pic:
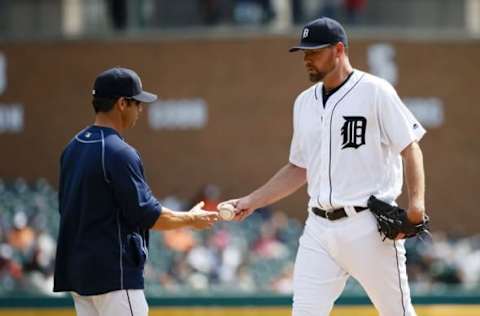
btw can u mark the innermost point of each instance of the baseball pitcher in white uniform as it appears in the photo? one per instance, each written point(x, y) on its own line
point(352, 137)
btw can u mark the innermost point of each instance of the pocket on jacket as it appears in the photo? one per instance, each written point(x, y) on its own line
point(136, 250)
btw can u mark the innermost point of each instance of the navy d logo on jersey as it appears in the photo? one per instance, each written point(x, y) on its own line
point(353, 131)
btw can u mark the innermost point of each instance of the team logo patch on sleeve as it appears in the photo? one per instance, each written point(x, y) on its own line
point(353, 131)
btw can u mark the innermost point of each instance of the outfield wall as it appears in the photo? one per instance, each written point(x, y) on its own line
point(243, 89)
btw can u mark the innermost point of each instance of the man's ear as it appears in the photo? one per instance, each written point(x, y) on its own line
point(339, 48)
point(121, 104)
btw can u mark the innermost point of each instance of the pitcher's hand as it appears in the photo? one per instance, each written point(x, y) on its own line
point(243, 207)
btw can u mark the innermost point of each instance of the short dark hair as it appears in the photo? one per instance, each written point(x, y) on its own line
point(103, 104)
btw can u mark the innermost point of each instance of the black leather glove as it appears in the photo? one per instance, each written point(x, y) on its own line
point(393, 220)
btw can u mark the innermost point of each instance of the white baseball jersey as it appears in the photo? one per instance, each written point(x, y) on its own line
point(351, 146)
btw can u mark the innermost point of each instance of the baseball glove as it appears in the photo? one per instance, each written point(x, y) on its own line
point(393, 220)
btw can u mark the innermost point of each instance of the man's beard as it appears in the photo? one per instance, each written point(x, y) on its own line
point(316, 76)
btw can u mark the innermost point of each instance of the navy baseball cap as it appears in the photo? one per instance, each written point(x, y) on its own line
point(320, 33)
point(121, 82)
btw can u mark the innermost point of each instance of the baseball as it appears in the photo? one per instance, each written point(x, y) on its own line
point(226, 212)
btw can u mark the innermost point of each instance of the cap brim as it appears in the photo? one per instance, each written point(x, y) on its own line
point(307, 47)
point(145, 97)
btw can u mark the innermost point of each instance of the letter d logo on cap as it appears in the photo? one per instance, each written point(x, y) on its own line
point(305, 33)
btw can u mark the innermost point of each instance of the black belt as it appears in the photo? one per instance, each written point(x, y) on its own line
point(338, 213)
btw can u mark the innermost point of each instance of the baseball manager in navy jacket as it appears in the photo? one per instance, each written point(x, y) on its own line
point(107, 207)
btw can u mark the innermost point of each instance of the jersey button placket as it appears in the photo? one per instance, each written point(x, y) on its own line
point(324, 185)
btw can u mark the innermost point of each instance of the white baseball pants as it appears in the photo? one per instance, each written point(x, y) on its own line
point(115, 303)
point(331, 251)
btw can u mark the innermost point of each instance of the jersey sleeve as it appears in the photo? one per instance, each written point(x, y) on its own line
point(296, 155)
point(138, 205)
point(399, 128)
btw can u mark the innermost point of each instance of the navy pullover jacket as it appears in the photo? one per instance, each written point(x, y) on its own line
point(106, 210)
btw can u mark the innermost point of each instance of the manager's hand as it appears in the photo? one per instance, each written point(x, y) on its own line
point(202, 219)
point(196, 218)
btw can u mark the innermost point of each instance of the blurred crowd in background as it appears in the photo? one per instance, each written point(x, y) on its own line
point(238, 12)
point(27, 18)
point(254, 256)
point(78, 18)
